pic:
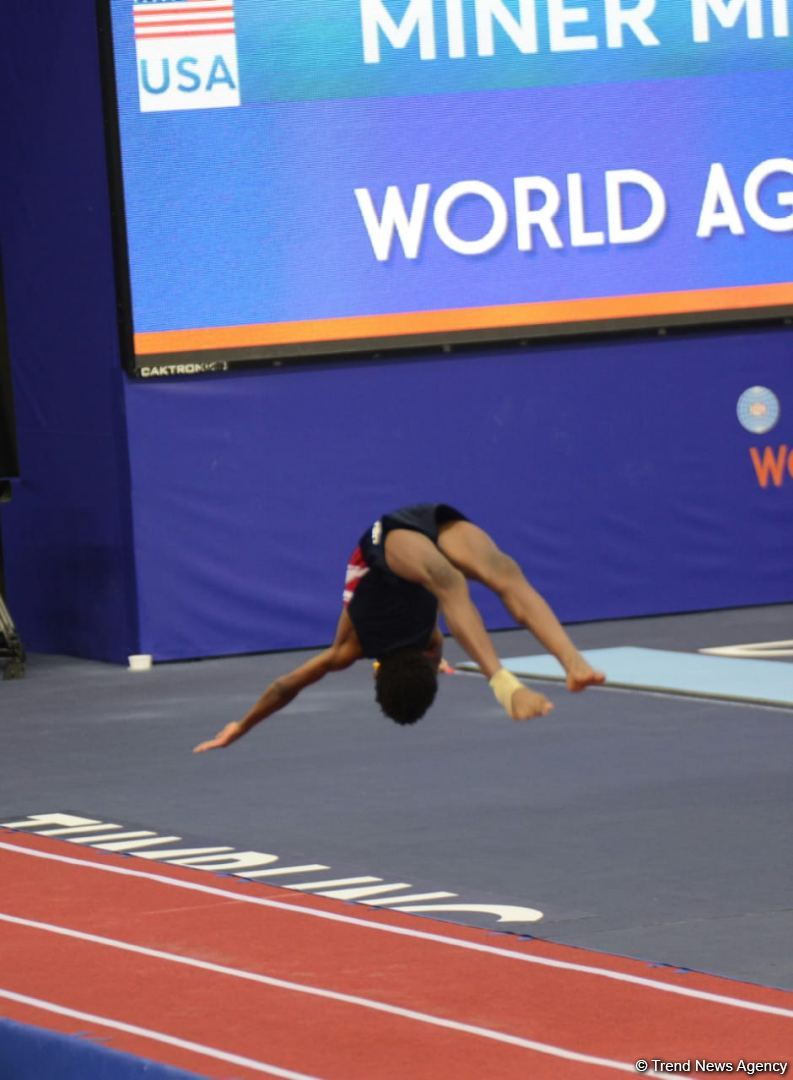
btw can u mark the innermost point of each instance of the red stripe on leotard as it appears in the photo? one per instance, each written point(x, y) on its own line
point(356, 570)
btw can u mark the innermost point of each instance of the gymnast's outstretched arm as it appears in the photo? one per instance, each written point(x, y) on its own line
point(344, 651)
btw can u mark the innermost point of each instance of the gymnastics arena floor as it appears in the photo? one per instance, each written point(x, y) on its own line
point(338, 897)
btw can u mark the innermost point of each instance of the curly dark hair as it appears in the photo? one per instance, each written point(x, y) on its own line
point(405, 685)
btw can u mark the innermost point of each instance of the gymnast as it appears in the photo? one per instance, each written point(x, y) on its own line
point(408, 565)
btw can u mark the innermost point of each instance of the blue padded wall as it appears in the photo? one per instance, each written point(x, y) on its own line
point(616, 472)
point(66, 532)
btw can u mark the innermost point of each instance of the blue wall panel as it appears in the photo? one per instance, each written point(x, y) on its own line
point(617, 473)
point(67, 538)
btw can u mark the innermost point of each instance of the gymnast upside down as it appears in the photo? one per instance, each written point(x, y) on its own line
point(409, 565)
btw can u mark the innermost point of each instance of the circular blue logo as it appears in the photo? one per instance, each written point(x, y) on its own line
point(758, 409)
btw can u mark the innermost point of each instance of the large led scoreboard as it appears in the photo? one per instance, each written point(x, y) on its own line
point(301, 177)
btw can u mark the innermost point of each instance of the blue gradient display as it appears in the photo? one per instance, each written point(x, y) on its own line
point(248, 215)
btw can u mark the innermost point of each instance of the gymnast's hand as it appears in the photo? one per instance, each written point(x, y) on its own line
point(230, 733)
point(527, 704)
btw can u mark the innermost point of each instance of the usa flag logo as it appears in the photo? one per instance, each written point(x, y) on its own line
point(186, 54)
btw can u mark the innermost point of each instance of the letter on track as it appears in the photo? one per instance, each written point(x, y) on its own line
point(299, 908)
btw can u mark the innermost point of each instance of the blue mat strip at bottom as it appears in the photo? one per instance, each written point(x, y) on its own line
point(33, 1053)
point(759, 682)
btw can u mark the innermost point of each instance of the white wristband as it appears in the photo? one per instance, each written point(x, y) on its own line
point(504, 684)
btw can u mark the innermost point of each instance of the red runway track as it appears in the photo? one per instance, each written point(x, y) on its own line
point(226, 978)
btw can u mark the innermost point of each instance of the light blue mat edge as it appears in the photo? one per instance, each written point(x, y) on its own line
point(760, 682)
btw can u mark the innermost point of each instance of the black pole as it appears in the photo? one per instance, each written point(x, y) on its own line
point(12, 651)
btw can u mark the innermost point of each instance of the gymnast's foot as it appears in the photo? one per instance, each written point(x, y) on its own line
point(580, 675)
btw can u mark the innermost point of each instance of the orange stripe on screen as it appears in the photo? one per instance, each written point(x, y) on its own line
point(455, 320)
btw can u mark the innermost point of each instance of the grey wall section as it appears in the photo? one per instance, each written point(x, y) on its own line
point(67, 535)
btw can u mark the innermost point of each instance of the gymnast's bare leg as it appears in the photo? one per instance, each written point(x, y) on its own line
point(473, 552)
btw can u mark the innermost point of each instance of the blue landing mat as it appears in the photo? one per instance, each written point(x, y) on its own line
point(762, 682)
point(34, 1053)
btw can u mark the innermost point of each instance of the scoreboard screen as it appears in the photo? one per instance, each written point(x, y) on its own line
point(302, 177)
